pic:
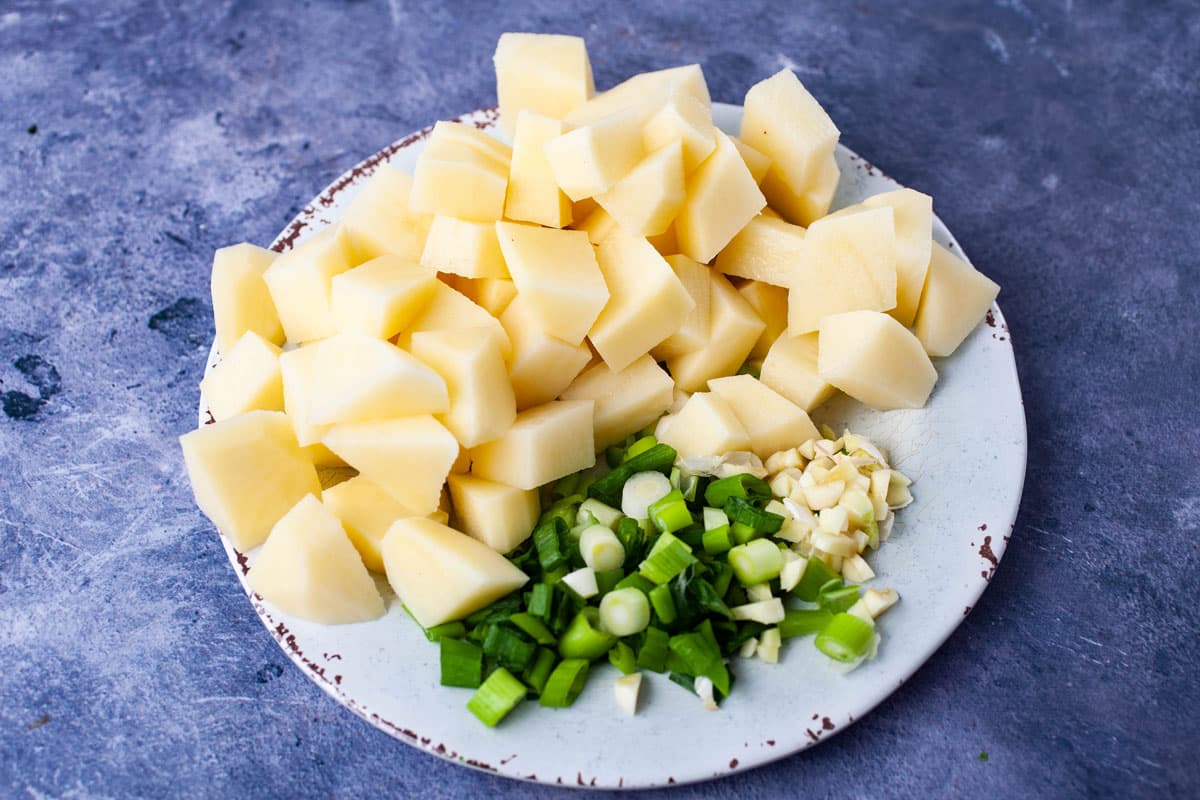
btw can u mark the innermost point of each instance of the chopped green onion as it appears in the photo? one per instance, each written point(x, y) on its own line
point(629, 533)
point(714, 518)
point(667, 558)
point(768, 612)
point(601, 549)
point(565, 683)
point(692, 535)
point(566, 606)
point(567, 485)
point(541, 600)
point(498, 695)
point(689, 484)
point(803, 621)
point(845, 638)
point(547, 538)
point(607, 581)
point(461, 663)
point(652, 655)
point(717, 541)
point(604, 515)
point(641, 491)
point(509, 648)
point(640, 446)
point(582, 582)
point(836, 598)
point(742, 485)
point(816, 575)
point(740, 510)
point(565, 509)
point(607, 489)
point(614, 455)
point(636, 581)
point(624, 612)
point(584, 638)
point(708, 599)
point(539, 669)
point(741, 533)
point(701, 658)
point(621, 656)
point(447, 630)
point(722, 576)
point(664, 604)
point(757, 561)
point(533, 626)
point(768, 645)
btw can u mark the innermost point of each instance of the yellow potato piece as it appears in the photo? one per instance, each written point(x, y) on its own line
point(686, 119)
point(452, 310)
point(309, 569)
point(646, 200)
point(499, 515)
point(247, 379)
point(549, 74)
point(587, 161)
point(773, 422)
point(598, 224)
point(463, 247)
point(246, 472)
point(956, 298)
point(542, 365)
point(644, 89)
point(771, 305)
point(705, 426)
point(790, 368)
point(768, 250)
point(533, 196)
point(625, 401)
point(693, 333)
point(722, 197)
point(491, 294)
point(441, 574)
point(461, 173)
point(366, 512)
point(874, 359)
point(240, 298)
point(301, 284)
point(482, 405)
point(544, 444)
point(382, 296)
point(757, 161)
point(807, 206)
point(733, 330)
point(379, 221)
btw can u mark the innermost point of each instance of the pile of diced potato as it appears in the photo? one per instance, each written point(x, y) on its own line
point(471, 332)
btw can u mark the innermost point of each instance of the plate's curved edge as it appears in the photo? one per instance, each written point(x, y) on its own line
point(826, 725)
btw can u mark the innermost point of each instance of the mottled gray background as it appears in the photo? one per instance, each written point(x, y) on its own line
point(1061, 141)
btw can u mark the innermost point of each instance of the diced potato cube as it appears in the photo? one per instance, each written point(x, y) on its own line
point(912, 214)
point(309, 569)
point(358, 377)
point(379, 222)
point(298, 370)
point(482, 406)
point(246, 472)
point(533, 196)
point(790, 368)
point(646, 200)
point(849, 265)
point(491, 294)
point(450, 140)
point(544, 444)
point(686, 119)
point(757, 161)
point(771, 305)
point(646, 88)
point(442, 575)
point(542, 365)
point(587, 161)
point(808, 206)
point(693, 333)
point(366, 512)
point(546, 73)
point(247, 379)
point(721, 198)
point(666, 243)
point(626, 401)
point(240, 298)
point(598, 224)
point(783, 121)
point(955, 300)
point(733, 330)
point(409, 458)
point(773, 422)
point(874, 359)
point(768, 250)
point(706, 426)
point(451, 309)
point(382, 296)
point(556, 272)
point(463, 247)
point(461, 173)
point(499, 515)
point(301, 284)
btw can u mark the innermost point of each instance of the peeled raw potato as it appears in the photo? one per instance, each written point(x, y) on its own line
point(492, 294)
point(533, 196)
point(646, 200)
point(790, 368)
point(598, 224)
point(666, 243)
point(482, 406)
point(722, 197)
point(297, 368)
point(308, 568)
point(768, 250)
point(382, 296)
point(648, 302)
point(462, 173)
point(442, 575)
point(452, 310)
point(451, 140)
point(379, 221)
point(626, 401)
point(784, 122)
point(546, 73)
point(849, 265)
point(649, 89)
point(733, 330)
point(587, 161)
point(542, 365)
point(246, 472)
point(409, 458)
point(247, 379)
point(693, 333)
point(773, 422)
point(810, 205)
point(301, 284)
point(463, 247)
point(499, 515)
point(771, 305)
point(544, 444)
point(874, 359)
point(705, 426)
point(358, 377)
point(757, 161)
point(955, 300)
point(240, 298)
point(556, 272)
point(686, 119)
point(366, 512)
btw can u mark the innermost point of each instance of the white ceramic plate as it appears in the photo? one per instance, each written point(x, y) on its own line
point(966, 453)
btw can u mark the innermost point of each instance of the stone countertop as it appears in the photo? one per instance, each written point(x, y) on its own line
point(1060, 140)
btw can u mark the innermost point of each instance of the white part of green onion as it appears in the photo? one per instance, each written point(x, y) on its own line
point(846, 667)
point(641, 491)
point(776, 507)
point(858, 505)
point(898, 495)
point(860, 610)
point(878, 601)
point(748, 648)
point(768, 645)
point(768, 612)
point(784, 459)
point(856, 570)
point(582, 582)
point(791, 573)
point(824, 495)
point(624, 612)
point(880, 479)
point(759, 591)
point(601, 549)
point(885, 526)
point(786, 483)
point(834, 520)
point(604, 514)
point(714, 518)
point(704, 688)
point(626, 690)
point(833, 543)
point(861, 540)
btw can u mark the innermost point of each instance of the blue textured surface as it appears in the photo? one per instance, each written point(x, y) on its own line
point(1061, 142)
